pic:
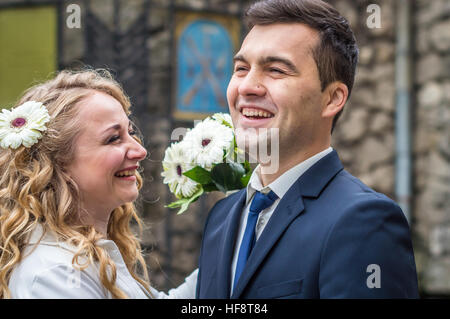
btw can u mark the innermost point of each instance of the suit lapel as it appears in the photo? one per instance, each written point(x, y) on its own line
point(225, 259)
point(287, 210)
point(310, 184)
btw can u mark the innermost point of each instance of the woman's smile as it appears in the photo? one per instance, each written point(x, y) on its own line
point(127, 174)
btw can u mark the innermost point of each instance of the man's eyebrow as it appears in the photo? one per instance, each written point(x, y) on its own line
point(270, 59)
point(286, 62)
point(239, 57)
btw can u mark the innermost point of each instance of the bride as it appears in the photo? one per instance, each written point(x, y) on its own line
point(69, 175)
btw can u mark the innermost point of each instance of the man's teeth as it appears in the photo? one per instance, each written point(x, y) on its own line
point(259, 113)
point(125, 173)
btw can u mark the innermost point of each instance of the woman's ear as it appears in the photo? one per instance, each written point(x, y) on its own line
point(336, 95)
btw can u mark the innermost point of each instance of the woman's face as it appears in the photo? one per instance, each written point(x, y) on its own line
point(106, 155)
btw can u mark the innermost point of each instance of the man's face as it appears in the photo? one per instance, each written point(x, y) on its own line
point(276, 85)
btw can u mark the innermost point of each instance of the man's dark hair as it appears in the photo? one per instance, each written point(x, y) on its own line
point(336, 55)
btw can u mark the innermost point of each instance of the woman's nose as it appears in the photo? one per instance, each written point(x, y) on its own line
point(136, 151)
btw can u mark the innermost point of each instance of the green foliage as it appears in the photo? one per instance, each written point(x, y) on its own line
point(223, 177)
point(185, 202)
point(28, 49)
point(227, 176)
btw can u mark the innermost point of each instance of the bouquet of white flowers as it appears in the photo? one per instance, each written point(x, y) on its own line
point(206, 160)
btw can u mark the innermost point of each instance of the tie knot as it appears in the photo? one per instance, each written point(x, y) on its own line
point(262, 201)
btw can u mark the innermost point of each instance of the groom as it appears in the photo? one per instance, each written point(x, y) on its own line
point(308, 229)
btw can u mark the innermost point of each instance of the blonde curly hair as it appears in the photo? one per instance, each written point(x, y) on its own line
point(35, 187)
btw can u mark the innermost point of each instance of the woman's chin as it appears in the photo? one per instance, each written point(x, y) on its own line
point(128, 197)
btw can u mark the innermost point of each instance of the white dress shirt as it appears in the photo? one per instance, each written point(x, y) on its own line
point(46, 272)
point(280, 186)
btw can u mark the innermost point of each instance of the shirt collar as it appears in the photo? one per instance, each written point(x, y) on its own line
point(39, 235)
point(281, 185)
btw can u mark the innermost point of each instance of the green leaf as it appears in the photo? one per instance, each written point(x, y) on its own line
point(227, 124)
point(247, 167)
point(248, 173)
point(178, 203)
point(210, 187)
point(185, 202)
point(245, 179)
point(227, 176)
point(199, 175)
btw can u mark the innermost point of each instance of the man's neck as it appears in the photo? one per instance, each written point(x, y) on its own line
point(286, 162)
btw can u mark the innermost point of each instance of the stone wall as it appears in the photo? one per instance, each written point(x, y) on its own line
point(364, 136)
point(431, 226)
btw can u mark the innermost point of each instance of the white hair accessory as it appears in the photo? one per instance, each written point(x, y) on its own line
point(23, 125)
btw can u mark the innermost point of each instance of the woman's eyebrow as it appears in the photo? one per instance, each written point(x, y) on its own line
point(113, 127)
point(117, 127)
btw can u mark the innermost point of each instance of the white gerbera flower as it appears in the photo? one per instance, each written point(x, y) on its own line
point(208, 142)
point(23, 125)
point(223, 118)
point(175, 163)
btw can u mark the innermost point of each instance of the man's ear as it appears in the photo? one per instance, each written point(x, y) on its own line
point(335, 96)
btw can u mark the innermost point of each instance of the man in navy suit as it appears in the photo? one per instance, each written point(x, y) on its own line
point(308, 229)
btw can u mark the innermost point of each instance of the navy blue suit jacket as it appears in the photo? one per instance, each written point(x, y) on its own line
point(322, 241)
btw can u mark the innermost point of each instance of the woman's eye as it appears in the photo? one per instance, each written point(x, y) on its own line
point(113, 138)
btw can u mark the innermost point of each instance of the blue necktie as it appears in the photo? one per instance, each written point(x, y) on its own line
point(259, 203)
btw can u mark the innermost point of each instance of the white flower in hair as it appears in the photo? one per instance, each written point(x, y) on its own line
point(209, 141)
point(175, 163)
point(23, 125)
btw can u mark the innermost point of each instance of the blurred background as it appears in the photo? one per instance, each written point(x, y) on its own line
point(174, 59)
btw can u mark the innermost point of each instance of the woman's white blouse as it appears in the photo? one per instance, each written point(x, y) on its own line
point(46, 271)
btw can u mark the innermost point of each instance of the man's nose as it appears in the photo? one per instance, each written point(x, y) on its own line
point(252, 84)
